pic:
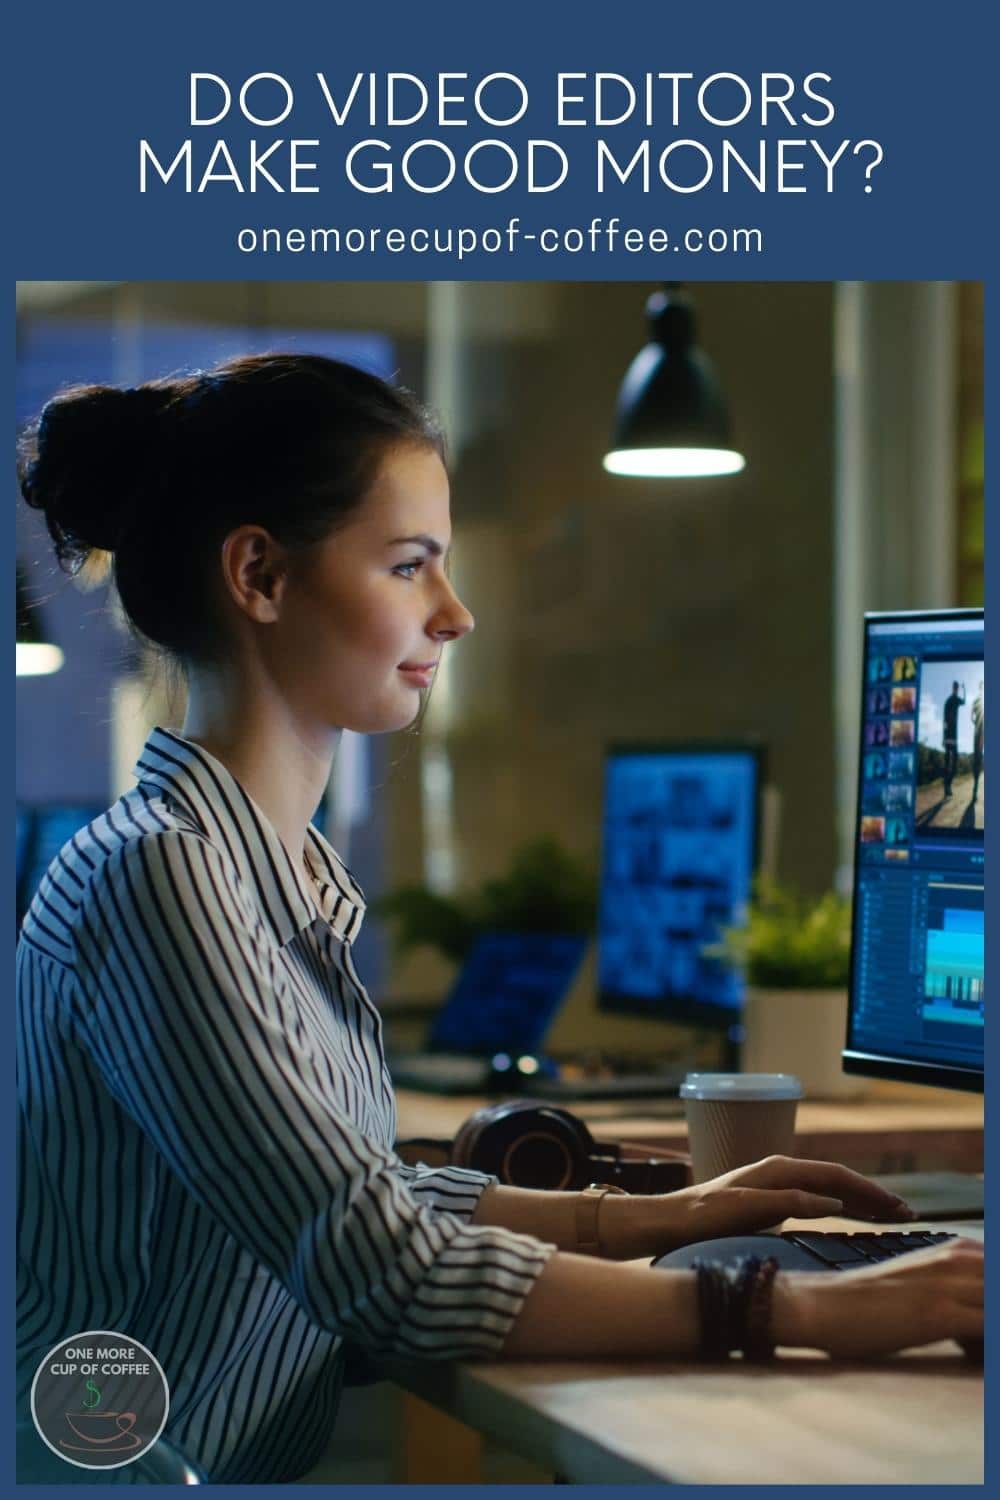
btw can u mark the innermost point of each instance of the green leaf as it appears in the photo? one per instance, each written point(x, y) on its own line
point(792, 941)
point(545, 889)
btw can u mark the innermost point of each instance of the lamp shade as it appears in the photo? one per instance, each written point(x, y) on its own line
point(36, 655)
point(672, 418)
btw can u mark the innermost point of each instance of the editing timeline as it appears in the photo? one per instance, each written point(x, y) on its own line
point(934, 1004)
point(953, 972)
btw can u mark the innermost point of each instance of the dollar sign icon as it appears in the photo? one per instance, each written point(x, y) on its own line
point(93, 1396)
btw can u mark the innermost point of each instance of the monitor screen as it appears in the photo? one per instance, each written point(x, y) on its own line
point(680, 836)
point(47, 828)
point(22, 840)
point(916, 993)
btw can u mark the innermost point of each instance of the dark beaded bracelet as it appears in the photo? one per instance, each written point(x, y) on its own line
point(734, 1305)
point(708, 1274)
point(758, 1343)
point(745, 1276)
point(717, 1307)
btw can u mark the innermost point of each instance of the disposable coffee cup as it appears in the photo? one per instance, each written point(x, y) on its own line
point(737, 1118)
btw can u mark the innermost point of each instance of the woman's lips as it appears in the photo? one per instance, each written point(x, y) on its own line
point(421, 675)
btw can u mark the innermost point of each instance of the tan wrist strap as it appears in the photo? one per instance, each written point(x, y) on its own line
point(588, 1208)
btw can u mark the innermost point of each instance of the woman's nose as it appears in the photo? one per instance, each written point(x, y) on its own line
point(452, 621)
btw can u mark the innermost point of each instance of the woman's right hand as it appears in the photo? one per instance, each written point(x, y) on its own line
point(917, 1298)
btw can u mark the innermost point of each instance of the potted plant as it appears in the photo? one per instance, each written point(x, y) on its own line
point(545, 889)
point(794, 952)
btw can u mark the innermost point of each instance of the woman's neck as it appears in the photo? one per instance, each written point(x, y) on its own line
point(282, 762)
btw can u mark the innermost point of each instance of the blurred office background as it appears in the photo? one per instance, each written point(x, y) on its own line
point(608, 609)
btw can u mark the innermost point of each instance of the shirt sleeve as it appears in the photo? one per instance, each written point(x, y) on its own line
point(454, 1190)
point(197, 1034)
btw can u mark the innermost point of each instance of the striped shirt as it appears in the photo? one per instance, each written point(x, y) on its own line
point(206, 1129)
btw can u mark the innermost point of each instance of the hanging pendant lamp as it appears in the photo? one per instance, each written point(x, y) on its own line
point(672, 419)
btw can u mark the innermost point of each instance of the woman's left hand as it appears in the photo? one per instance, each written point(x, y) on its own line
point(745, 1201)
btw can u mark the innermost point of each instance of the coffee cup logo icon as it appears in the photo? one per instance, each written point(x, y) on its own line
point(99, 1399)
point(102, 1429)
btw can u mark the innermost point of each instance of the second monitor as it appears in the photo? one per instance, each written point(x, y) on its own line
point(679, 850)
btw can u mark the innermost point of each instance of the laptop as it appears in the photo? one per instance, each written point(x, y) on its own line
point(505, 998)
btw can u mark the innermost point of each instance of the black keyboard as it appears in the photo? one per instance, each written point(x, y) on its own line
point(841, 1252)
point(806, 1250)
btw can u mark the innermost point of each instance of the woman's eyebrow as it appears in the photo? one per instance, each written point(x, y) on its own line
point(422, 540)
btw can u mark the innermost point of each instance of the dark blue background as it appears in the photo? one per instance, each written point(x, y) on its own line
point(85, 83)
point(90, 82)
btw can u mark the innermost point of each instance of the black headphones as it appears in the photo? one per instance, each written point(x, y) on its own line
point(529, 1143)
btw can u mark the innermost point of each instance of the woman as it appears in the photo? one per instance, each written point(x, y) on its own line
point(207, 1159)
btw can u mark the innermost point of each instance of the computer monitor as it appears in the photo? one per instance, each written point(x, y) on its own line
point(41, 833)
point(916, 985)
point(678, 857)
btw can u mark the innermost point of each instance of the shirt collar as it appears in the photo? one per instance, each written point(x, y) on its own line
point(290, 898)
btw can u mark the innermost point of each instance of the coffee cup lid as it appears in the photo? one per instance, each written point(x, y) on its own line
point(741, 1086)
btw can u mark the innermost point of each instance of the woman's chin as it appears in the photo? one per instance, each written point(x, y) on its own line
point(387, 721)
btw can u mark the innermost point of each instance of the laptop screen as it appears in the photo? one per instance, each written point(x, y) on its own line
point(507, 992)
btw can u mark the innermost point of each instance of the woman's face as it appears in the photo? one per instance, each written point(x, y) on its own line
point(366, 606)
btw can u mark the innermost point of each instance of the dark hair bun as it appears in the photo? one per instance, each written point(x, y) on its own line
point(287, 442)
point(91, 462)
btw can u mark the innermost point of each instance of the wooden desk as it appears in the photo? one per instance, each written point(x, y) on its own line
point(917, 1420)
point(914, 1419)
point(888, 1132)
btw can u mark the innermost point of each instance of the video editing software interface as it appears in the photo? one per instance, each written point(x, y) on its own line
point(680, 828)
point(917, 982)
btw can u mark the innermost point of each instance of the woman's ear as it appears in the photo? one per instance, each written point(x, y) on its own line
point(255, 568)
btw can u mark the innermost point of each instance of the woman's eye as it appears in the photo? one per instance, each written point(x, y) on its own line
point(408, 569)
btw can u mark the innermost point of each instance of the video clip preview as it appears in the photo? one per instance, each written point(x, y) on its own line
point(923, 753)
